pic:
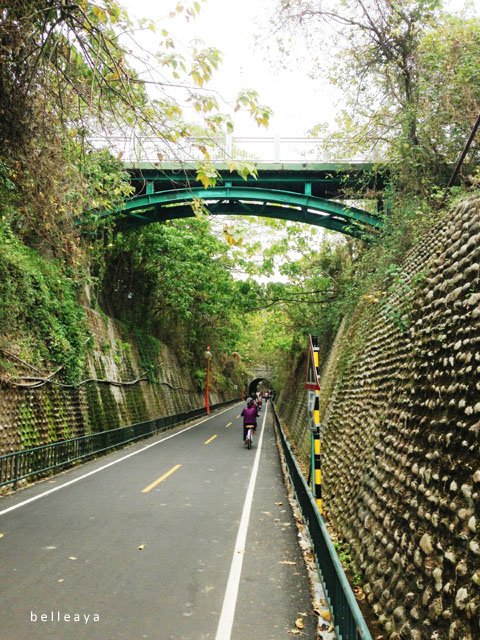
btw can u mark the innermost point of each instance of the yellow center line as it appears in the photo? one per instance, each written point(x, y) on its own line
point(228, 425)
point(210, 439)
point(161, 479)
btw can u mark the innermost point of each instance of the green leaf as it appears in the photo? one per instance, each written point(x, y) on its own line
point(207, 174)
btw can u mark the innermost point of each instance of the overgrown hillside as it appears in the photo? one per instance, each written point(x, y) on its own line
point(68, 76)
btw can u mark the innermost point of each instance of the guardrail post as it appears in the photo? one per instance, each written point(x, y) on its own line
point(16, 471)
point(228, 150)
point(276, 149)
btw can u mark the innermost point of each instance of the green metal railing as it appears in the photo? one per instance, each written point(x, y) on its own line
point(347, 618)
point(46, 459)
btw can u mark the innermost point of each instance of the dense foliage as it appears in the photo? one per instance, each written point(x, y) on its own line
point(40, 315)
point(408, 76)
point(174, 280)
point(69, 72)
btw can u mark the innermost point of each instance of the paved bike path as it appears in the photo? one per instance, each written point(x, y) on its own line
point(142, 547)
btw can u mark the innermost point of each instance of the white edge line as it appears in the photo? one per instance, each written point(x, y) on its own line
point(106, 466)
point(225, 624)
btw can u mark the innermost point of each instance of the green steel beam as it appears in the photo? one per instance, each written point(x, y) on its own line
point(326, 180)
point(238, 200)
point(284, 198)
point(161, 214)
point(339, 175)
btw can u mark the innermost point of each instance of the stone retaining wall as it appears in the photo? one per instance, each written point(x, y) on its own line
point(400, 438)
point(30, 417)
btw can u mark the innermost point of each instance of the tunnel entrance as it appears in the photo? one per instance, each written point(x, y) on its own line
point(259, 384)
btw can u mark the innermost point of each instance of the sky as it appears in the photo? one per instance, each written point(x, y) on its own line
point(234, 28)
point(298, 100)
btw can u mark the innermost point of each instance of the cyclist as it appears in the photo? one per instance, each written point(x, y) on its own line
point(250, 415)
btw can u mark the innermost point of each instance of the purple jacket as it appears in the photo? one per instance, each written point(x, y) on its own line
point(250, 415)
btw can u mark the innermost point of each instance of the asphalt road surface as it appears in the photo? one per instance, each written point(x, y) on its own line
point(185, 536)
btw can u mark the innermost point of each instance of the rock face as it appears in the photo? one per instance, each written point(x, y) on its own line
point(400, 430)
point(33, 417)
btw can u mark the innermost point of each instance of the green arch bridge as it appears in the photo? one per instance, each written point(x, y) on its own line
point(317, 194)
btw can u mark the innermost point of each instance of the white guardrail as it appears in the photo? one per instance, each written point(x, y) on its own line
point(268, 149)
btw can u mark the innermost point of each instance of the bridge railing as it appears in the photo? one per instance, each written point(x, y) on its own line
point(222, 149)
point(47, 459)
point(347, 618)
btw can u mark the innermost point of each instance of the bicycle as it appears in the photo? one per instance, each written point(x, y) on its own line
point(249, 438)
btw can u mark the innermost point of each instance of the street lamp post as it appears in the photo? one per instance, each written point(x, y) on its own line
point(208, 357)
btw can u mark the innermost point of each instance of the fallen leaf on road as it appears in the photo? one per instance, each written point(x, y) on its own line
point(279, 504)
point(1, 535)
point(299, 623)
point(61, 580)
point(325, 614)
point(208, 588)
point(141, 547)
point(72, 558)
point(318, 604)
point(286, 562)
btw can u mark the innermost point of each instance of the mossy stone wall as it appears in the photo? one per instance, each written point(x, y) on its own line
point(30, 417)
point(400, 406)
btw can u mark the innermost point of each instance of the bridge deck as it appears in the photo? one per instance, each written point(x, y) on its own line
point(325, 180)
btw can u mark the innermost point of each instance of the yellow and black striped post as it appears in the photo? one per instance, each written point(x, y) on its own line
point(313, 388)
point(316, 448)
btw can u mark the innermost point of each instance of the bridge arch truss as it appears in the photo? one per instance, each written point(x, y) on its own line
point(316, 196)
